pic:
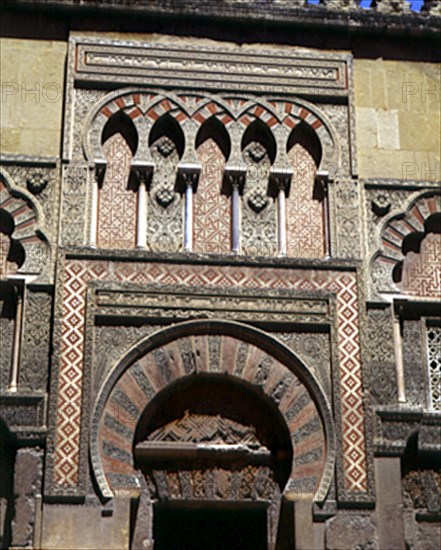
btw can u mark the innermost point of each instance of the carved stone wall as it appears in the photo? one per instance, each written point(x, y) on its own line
point(102, 336)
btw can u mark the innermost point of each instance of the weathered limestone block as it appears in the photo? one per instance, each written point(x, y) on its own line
point(352, 530)
point(389, 508)
point(73, 526)
point(27, 486)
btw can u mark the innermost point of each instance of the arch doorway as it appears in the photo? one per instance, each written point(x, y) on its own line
point(215, 456)
point(214, 422)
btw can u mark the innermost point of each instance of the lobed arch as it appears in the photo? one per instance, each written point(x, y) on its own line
point(167, 126)
point(259, 131)
point(144, 107)
point(247, 354)
point(212, 128)
point(403, 231)
point(141, 106)
point(26, 219)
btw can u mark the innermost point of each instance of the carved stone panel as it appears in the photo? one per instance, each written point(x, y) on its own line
point(258, 235)
point(347, 219)
point(182, 65)
point(165, 204)
point(117, 203)
point(414, 376)
point(378, 344)
point(35, 353)
point(77, 181)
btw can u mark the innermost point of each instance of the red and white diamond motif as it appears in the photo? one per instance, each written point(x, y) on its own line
point(78, 273)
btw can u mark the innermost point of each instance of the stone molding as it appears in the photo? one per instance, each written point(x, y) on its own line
point(394, 426)
point(24, 414)
point(172, 302)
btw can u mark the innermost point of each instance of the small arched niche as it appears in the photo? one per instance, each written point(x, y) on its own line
point(117, 195)
point(212, 208)
point(166, 136)
point(258, 143)
point(305, 212)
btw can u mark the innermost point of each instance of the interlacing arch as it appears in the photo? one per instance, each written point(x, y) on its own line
point(144, 108)
point(24, 248)
point(403, 232)
point(256, 175)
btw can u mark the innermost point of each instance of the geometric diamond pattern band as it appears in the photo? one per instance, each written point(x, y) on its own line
point(79, 272)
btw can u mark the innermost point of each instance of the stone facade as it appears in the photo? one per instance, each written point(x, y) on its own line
point(220, 275)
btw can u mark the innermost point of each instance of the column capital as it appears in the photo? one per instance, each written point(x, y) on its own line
point(189, 173)
point(323, 177)
point(99, 170)
point(143, 170)
point(280, 179)
point(235, 175)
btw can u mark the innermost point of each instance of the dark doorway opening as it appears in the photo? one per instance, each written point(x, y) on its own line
point(210, 527)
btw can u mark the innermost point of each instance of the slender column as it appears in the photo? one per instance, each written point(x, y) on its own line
point(188, 227)
point(326, 230)
point(141, 225)
point(235, 217)
point(398, 349)
point(13, 381)
point(281, 219)
point(94, 214)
